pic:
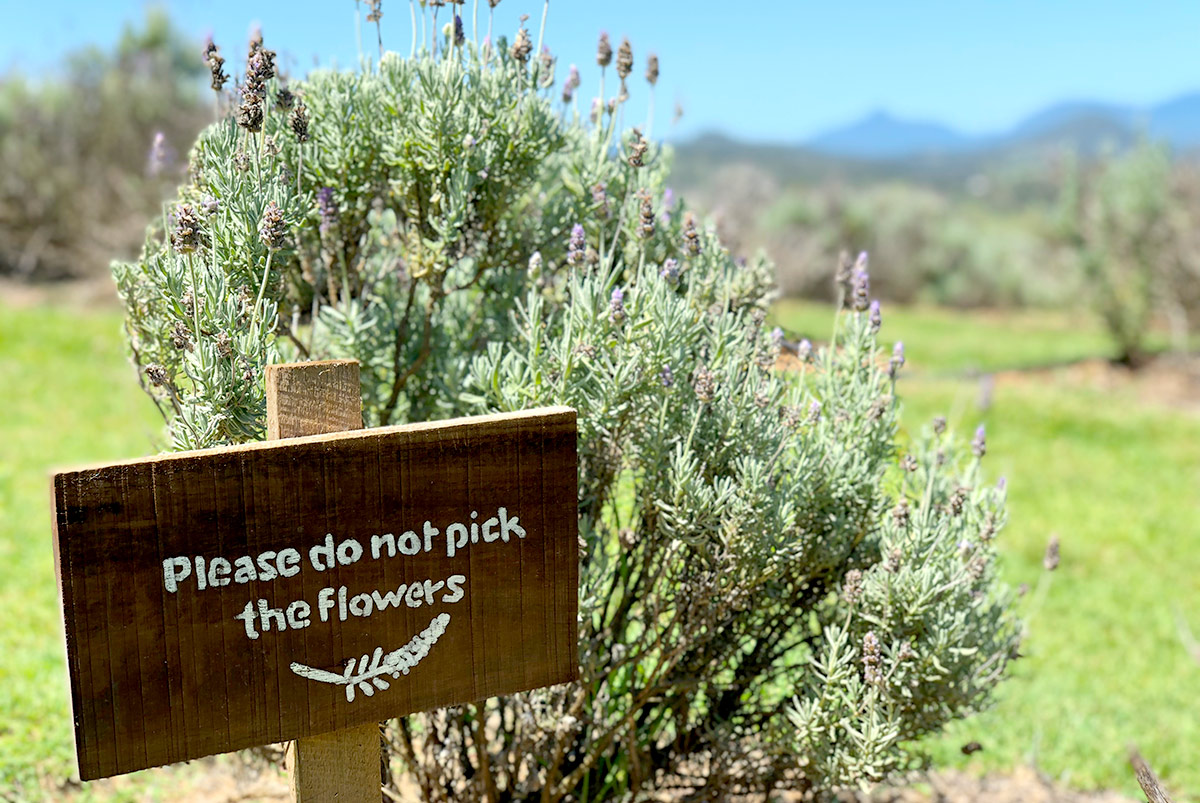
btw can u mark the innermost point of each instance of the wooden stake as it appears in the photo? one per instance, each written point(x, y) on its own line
point(311, 399)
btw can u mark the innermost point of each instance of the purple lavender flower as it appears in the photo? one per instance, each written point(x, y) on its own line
point(459, 36)
point(571, 84)
point(575, 246)
point(875, 317)
point(616, 306)
point(979, 444)
point(897, 361)
point(668, 201)
point(328, 209)
point(814, 412)
point(670, 271)
point(777, 338)
point(860, 284)
point(804, 350)
point(160, 156)
point(666, 376)
point(1002, 484)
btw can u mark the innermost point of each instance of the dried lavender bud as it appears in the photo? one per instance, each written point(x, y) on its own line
point(157, 374)
point(546, 72)
point(893, 561)
point(666, 376)
point(571, 84)
point(691, 236)
point(906, 652)
point(591, 257)
point(761, 399)
point(652, 69)
point(871, 659)
point(670, 271)
point(272, 229)
point(328, 209)
point(878, 408)
point(844, 272)
point(897, 361)
point(705, 384)
point(299, 122)
point(604, 51)
point(901, 514)
point(181, 337)
point(270, 146)
point(376, 12)
point(989, 529)
point(637, 150)
point(939, 425)
point(215, 64)
point(908, 463)
point(284, 99)
point(224, 344)
point(957, 500)
point(852, 587)
point(875, 317)
point(576, 244)
point(521, 47)
point(624, 59)
point(860, 290)
point(646, 217)
point(587, 350)
point(210, 206)
point(250, 115)
point(790, 415)
point(1050, 559)
point(241, 160)
point(616, 306)
point(804, 350)
point(977, 566)
point(186, 237)
point(600, 198)
point(979, 444)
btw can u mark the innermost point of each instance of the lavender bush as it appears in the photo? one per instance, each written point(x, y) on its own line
point(772, 591)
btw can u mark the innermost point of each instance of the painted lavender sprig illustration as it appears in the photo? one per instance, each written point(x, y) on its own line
point(366, 673)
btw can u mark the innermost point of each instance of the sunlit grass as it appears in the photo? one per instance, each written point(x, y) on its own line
point(1116, 480)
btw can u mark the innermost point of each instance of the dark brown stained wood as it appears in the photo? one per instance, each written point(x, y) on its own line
point(160, 676)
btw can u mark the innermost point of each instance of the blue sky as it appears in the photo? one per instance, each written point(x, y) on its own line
point(766, 71)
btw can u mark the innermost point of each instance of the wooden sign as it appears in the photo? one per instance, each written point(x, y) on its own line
point(226, 598)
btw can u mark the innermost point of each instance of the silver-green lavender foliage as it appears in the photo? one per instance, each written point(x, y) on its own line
point(770, 595)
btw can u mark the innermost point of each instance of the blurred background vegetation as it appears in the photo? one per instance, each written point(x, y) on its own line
point(1050, 288)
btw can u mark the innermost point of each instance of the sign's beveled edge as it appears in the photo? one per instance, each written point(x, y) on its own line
point(547, 413)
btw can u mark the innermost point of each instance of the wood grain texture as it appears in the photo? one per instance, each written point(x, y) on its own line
point(160, 676)
point(313, 399)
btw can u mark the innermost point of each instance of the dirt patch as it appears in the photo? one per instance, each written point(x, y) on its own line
point(1169, 380)
point(228, 779)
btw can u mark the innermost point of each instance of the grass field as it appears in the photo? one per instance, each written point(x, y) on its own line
point(1115, 478)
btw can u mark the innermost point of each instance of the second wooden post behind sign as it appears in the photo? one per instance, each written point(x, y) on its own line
point(313, 399)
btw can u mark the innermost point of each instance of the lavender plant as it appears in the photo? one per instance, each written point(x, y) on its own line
point(768, 596)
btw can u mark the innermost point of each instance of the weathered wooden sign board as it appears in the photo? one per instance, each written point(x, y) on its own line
point(226, 598)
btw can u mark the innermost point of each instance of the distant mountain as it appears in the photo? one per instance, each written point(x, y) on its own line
point(883, 136)
point(1084, 125)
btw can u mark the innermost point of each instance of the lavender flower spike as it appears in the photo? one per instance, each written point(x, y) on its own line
point(575, 246)
point(979, 444)
point(875, 317)
point(616, 306)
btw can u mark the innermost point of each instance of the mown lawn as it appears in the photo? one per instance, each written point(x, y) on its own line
point(1117, 480)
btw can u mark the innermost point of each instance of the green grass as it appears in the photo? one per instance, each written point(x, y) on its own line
point(69, 397)
point(1116, 480)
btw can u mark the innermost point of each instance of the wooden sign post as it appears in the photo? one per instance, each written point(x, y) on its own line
point(226, 598)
